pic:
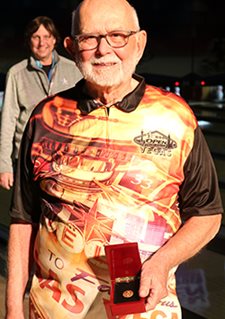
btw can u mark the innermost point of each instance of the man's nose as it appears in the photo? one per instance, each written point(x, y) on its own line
point(103, 46)
point(42, 40)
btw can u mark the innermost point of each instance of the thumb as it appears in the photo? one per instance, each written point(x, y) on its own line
point(145, 287)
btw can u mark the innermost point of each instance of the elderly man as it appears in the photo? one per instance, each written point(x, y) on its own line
point(110, 161)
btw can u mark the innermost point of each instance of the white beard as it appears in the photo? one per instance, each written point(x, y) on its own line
point(107, 76)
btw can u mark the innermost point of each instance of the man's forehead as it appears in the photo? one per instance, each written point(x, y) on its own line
point(104, 19)
point(103, 27)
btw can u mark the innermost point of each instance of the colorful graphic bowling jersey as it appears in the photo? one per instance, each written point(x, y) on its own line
point(103, 176)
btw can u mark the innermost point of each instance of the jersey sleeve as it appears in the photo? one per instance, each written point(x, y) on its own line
point(199, 193)
point(25, 206)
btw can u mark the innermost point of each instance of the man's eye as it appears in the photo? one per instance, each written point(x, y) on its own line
point(87, 38)
point(115, 35)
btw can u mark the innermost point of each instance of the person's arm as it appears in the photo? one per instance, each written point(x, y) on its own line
point(188, 241)
point(201, 210)
point(10, 113)
point(20, 259)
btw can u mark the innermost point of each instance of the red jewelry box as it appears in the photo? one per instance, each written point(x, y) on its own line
point(124, 267)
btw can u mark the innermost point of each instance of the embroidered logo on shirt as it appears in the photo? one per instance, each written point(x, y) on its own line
point(155, 143)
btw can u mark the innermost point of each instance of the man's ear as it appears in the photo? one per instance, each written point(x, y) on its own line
point(141, 44)
point(69, 46)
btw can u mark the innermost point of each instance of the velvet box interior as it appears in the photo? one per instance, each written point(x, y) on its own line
point(124, 266)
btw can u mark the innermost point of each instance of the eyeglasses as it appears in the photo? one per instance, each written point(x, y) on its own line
point(116, 39)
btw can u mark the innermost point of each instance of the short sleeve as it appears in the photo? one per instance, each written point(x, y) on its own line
point(199, 193)
point(26, 200)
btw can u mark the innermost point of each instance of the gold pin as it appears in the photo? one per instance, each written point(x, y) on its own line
point(128, 293)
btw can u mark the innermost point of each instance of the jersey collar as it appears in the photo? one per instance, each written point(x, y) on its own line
point(128, 104)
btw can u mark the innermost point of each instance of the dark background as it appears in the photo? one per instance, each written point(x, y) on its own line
point(191, 29)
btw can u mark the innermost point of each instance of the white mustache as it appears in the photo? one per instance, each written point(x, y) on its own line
point(105, 61)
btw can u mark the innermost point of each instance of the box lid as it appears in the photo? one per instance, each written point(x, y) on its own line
point(123, 260)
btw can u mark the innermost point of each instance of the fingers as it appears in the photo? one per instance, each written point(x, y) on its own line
point(11, 180)
point(6, 180)
point(153, 291)
point(153, 285)
point(145, 287)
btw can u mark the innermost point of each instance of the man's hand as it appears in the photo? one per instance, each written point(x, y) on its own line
point(195, 233)
point(153, 284)
point(6, 180)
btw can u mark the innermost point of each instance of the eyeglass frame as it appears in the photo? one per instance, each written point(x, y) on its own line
point(98, 38)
